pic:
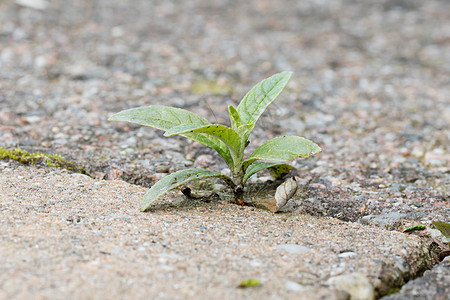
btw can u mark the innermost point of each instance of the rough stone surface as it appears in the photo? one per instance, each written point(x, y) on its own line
point(357, 285)
point(434, 285)
point(70, 236)
point(370, 86)
point(387, 220)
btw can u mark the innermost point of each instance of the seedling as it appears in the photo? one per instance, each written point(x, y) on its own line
point(229, 142)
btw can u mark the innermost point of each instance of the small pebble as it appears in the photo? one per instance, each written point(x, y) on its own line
point(293, 286)
point(162, 168)
point(293, 248)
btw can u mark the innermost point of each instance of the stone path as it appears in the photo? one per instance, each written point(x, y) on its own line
point(68, 236)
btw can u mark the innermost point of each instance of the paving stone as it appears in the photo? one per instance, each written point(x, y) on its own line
point(70, 236)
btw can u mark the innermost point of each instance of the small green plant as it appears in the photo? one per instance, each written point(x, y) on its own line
point(229, 142)
point(414, 228)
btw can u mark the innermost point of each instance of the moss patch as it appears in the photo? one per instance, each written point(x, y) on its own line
point(39, 158)
point(250, 283)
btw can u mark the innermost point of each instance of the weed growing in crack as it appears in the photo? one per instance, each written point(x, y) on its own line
point(228, 142)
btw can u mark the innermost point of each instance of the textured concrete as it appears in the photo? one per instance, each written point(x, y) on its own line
point(69, 236)
point(433, 285)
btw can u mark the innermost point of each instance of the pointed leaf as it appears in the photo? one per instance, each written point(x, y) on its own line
point(276, 169)
point(222, 132)
point(260, 96)
point(234, 117)
point(211, 141)
point(159, 116)
point(176, 179)
point(244, 131)
point(182, 129)
point(283, 149)
point(165, 118)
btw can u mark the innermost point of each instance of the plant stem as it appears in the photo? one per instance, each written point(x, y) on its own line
point(238, 176)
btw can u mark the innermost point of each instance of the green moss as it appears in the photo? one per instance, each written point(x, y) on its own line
point(32, 158)
point(393, 291)
point(249, 283)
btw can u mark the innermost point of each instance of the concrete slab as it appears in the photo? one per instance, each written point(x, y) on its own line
point(433, 285)
point(69, 236)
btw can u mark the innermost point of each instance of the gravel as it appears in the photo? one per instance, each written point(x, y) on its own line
point(370, 85)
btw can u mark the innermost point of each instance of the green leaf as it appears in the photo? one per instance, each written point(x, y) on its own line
point(176, 179)
point(182, 129)
point(260, 96)
point(283, 149)
point(210, 141)
point(414, 227)
point(166, 118)
point(243, 130)
point(159, 116)
point(234, 118)
point(279, 170)
point(276, 169)
point(443, 227)
point(221, 132)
